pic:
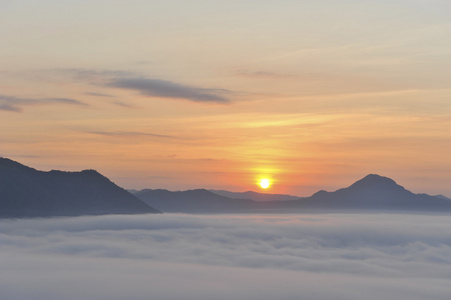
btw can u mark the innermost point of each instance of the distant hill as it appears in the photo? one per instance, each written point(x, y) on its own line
point(443, 197)
point(262, 197)
point(372, 193)
point(26, 192)
point(194, 201)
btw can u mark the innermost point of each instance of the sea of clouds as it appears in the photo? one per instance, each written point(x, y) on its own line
point(170, 256)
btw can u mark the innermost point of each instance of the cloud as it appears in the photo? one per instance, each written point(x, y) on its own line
point(9, 107)
point(130, 134)
point(261, 74)
point(169, 89)
point(99, 95)
point(227, 257)
point(123, 104)
point(92, 74)
point(146, 86)
point(118, 103)
point(15, 104)
point(60, 100)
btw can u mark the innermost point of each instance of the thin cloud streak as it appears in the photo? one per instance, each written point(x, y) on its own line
point(90, 74)
point(262, 74)
point(169, 89)
point(62, 100)
point(129, 134)
point(123, 104)
point(99, 95)
point(9, 107)
point(15, 104)
point(146, 86)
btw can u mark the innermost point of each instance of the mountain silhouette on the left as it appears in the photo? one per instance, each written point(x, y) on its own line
point(27, 192)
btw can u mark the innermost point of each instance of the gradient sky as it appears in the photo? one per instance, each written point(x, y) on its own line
point(187, 94)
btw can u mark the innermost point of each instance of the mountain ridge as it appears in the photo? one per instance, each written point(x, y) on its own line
point(256, 196)
point(27, 192)
point(372, 192)
point(193, 201)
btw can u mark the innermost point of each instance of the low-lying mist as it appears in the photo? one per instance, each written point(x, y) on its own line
point(327, 256)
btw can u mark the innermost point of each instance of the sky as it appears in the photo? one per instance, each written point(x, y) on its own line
point(219, 94)
point(318, 257)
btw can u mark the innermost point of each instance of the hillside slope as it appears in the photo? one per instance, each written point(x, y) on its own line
point(26, 192)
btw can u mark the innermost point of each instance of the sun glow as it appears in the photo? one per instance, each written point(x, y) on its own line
point(265, 183)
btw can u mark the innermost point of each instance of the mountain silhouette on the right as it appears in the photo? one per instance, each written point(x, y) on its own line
point(373, 192)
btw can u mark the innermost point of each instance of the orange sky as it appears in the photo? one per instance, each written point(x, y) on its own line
point(189, 94)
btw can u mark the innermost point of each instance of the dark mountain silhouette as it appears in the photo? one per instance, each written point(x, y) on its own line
point(372, 193)
point(194, 201)
point(443, 197)
point(26, 192)
point(262, 197)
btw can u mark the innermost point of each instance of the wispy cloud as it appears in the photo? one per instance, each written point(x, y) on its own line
point(152, 87)
point(169, 89)
point(115, 102)
point(99, 95)
point(90, 74)
point(129, 134)
point(123, 104)
point(16, 104)
point(9, 107)
point(261, 74)
point(60, 100)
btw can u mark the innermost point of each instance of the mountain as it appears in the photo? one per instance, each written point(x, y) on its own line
point(194, 201)
point(262, 197)
point(132, 191)
point(443, 197)
point(373, 192)
point(26, 192)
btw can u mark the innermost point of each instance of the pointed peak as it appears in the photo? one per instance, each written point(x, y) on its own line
point(374, 177)
point(375, 180)
point(321, 192)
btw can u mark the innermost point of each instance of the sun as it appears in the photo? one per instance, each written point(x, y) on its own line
point(265, 183)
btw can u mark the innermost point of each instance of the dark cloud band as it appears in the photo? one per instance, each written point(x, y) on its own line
point(169, 89)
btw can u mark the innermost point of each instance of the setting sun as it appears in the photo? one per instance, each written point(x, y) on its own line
point(265, 183)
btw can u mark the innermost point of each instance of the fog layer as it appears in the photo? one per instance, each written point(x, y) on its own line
point(330, 256)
